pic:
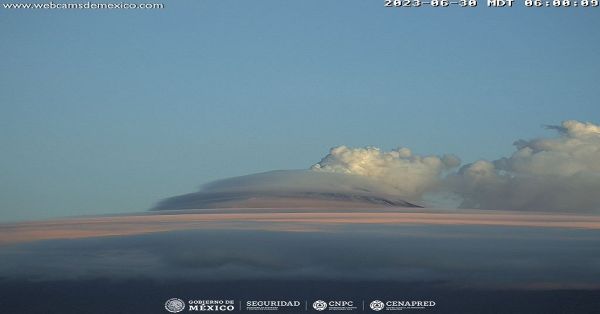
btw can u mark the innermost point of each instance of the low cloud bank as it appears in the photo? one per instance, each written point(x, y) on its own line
point(560, 173)
point(457, 255)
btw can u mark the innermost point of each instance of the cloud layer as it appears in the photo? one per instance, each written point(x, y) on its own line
point(457, 255)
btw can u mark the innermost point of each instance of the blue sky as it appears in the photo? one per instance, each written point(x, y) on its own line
point(110, 111)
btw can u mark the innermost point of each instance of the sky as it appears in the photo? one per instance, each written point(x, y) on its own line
point(110, 111)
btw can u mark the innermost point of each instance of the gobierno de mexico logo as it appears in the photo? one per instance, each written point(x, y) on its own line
point(174, 305)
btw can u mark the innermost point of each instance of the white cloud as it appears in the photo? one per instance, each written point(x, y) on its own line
point(408, 174)
point(553, 174)
point(561, 173)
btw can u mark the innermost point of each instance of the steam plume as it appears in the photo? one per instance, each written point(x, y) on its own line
point(560, 173)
